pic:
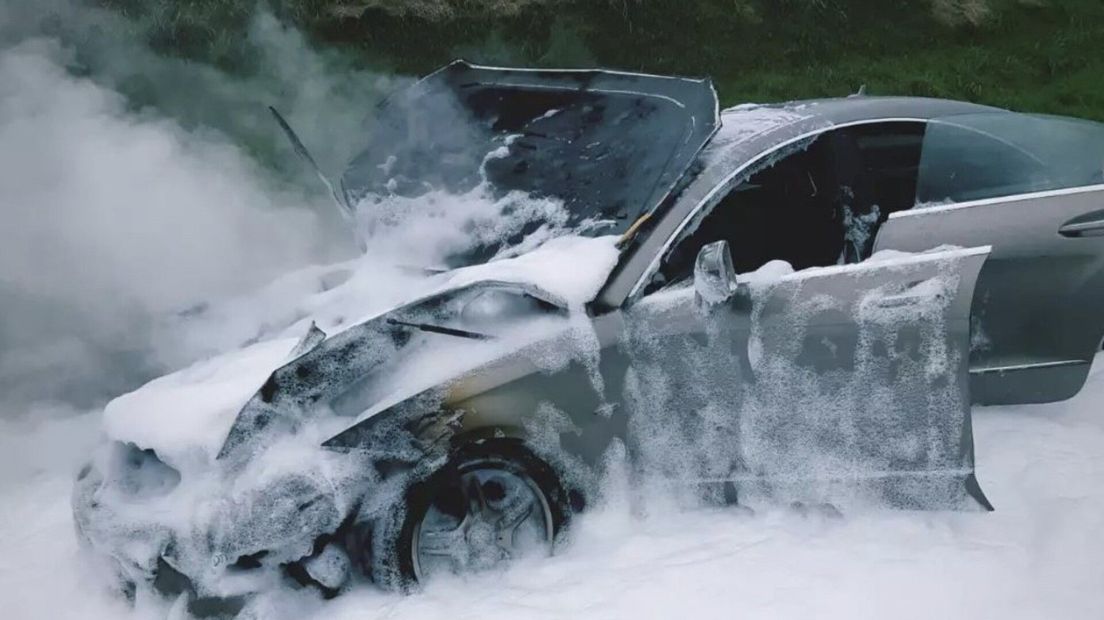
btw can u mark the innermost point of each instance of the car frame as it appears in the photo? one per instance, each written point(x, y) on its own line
point(510, 426)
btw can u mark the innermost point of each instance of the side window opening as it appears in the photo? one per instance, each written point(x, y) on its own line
point(818, 206)
point(960, 165)
point(997, 154)
point(891, 154)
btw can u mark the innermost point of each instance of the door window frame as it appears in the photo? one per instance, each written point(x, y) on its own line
point(981, 202)
point(721, 189)
point(1009, 132)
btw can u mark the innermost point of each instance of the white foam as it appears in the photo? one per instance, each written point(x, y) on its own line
point(185, 416)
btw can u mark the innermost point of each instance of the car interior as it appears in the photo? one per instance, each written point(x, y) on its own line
point(819, 206)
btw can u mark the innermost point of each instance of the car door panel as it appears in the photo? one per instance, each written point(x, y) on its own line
point(1036, 312)
point(821, 385)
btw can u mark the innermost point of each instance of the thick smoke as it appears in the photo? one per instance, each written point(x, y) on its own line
point(133, 186)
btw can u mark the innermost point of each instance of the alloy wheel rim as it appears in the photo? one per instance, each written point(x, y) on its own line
point(504, 511)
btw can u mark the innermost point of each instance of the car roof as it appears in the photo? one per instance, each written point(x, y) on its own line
point(861, 107)
point(749, 130)
point(845, 110)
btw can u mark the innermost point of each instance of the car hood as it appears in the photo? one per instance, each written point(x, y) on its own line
point(609, 145)
point(195, 415)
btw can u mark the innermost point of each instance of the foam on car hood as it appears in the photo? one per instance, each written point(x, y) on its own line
point(185, 416)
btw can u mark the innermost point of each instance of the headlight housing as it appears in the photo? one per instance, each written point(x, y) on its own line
point(140, 473)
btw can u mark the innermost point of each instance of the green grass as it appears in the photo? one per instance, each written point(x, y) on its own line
point(1042, 59)
point(1030, 55)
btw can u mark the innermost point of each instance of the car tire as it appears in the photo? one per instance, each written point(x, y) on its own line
point(389, 547)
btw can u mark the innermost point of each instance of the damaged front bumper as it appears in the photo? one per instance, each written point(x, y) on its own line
point(176, 537)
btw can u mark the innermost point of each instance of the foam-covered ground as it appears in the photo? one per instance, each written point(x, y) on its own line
point(1037, 556)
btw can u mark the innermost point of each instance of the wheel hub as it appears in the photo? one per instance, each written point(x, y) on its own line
point(503, 512)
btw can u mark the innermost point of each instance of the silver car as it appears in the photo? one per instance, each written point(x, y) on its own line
point(936, 254)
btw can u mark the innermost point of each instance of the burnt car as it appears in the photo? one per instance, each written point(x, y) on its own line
point(797, 301)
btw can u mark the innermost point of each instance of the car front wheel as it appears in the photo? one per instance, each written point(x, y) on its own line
point(493, 502)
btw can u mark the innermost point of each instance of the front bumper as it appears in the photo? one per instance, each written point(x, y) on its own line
point(207, 538)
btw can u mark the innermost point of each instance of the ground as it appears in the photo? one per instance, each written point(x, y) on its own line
point(1036, 556)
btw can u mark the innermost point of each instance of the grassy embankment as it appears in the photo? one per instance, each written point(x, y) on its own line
point(1031, 55)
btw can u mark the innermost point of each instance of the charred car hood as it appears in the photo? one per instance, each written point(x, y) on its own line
point(609, 145)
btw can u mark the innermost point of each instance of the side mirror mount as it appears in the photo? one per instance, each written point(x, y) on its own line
point(715, 279)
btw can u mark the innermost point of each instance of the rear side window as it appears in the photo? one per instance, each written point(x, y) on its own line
point(992, 155)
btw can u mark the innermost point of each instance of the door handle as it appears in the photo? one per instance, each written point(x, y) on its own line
point(1087, 225)
point(903, 299)
point(913, 295)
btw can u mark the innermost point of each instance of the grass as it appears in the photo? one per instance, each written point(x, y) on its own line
point(1041, 59)
point(1030, 55)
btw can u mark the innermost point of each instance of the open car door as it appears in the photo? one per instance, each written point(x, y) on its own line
point(825, 385)
point(1032, 187)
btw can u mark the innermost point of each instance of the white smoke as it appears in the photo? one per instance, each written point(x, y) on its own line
point(130, 189)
